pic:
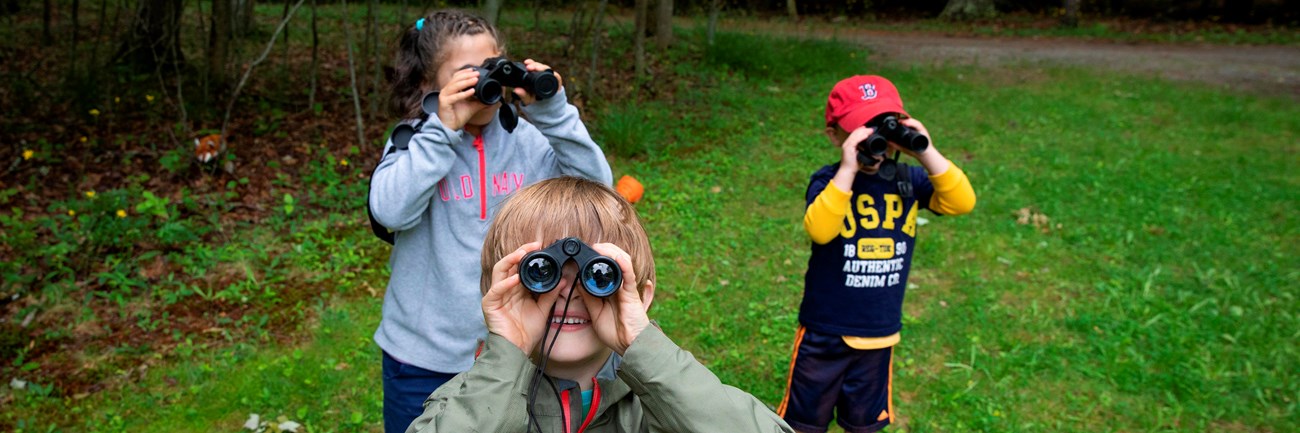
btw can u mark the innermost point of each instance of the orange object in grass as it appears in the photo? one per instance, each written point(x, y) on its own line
point(630, 189)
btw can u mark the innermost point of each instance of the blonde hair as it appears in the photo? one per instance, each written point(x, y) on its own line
point(557, 208)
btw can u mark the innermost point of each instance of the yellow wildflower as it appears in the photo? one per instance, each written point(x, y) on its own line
point(90, 194)
point(27, 154)
point(117, 99)
point(121, 213)
point(148, 98)
point(344, 162)
point(72, 213)
point(94, 112)
point(83, 139)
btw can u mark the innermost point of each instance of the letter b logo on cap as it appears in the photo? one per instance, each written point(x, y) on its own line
point(868, 91)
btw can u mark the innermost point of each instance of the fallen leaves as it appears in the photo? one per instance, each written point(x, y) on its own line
point(1032, 216)
point(280, 424)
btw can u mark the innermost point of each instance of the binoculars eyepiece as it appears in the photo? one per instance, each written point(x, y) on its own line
point(497, 73)
point(887, 129)
point(540, 270)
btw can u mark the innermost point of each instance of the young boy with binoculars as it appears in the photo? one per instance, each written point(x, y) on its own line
point(568, 277)
point(861, 215)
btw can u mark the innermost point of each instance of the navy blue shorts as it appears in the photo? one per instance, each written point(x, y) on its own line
point(828, 379)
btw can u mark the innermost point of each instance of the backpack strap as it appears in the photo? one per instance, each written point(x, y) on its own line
point(401, 138)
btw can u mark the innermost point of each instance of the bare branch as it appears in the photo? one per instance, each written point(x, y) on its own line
point(247, 72)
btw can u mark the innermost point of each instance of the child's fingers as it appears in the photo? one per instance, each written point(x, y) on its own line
point(628, 291)
point(523, 95)
point(915, 124)
point(859, 134)
point(448, 99)
point(535, 66)
point(509, 265)
point(497, 294)
point(912, 123)
point(462, 79)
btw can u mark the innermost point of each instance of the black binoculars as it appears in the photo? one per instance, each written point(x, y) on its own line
point(887, 129)
point(497, 73)
point(540, 270)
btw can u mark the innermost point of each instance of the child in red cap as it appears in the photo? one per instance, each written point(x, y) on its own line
point(861, 217)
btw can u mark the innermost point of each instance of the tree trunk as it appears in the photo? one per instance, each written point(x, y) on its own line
point(155, 36)
point(315, 60)
point(76, 23)
point(491, 11)
point(597, 28)
point(537, 10)
point(792, 9)
point(219, 43)
point(46, 37)
point(99, 36)
point(401, 14)
point(663, 24)
point(367, 48)
point(72, 49)
point(243, 20)
point(966, 10)
point(638, 39)
point(715, 8)
point(352, 72)
point(376, 61)
point(576, 29)
point(1071, 17)
point(285, 64)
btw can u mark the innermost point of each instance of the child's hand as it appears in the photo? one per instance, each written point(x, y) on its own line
point(456, 102)
point(511, 310)
point(849, 148)
point(914, 124)
point(532, 66)
point(621, 317)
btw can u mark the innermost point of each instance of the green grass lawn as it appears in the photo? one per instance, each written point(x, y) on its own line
point(1159, 295)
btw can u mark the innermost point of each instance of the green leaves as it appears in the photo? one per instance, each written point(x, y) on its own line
point(288, 204)
point(154, 205)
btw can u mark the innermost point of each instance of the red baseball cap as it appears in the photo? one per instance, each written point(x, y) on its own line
point(860, 98)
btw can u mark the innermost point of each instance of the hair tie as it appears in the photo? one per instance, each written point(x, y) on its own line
point(419, 24)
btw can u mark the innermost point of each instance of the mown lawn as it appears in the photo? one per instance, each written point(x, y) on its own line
point(1156, 291)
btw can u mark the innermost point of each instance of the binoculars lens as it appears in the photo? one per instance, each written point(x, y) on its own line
point(601, 278)
point(544, 84)
point(488, 91)
point(540, 273)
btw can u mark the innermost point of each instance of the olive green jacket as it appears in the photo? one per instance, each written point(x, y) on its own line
point(655, 387)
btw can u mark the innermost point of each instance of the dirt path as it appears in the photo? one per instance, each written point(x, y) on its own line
point(1268, 70)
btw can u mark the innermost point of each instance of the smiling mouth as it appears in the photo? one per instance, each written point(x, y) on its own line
point(568, 322)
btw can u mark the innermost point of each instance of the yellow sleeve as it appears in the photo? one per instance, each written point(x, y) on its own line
point(825, 216)
point(953, 194)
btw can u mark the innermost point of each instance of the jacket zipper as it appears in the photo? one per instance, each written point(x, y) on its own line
point(482, 177)
point(591, 412)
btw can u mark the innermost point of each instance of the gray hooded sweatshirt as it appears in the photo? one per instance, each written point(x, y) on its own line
point(439, 196)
